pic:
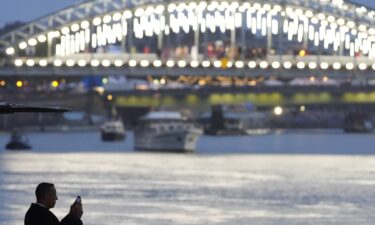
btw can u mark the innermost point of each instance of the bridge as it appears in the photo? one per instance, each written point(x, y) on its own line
point(254, 38)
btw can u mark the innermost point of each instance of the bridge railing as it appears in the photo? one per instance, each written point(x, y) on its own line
point(323, 62)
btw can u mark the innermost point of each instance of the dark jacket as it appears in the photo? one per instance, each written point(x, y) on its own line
point(39, 215)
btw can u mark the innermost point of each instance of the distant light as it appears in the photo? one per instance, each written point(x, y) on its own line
point(239, 64)
point(324, 65)
point(106, 63)
point(336, 66)
point(206, 63)
point(156, 81)
point(362, 66)
point(263, 64)
point(74, 27)
point(18, 62)
point(349, 66)
point(132, 63)
point(3, 83)
point(82, 62)
point(287, 65)
point(95, 63)
point(202, 82)
point(145, 63)
point(278, 110)
point(43, 62)
point(22, 45)
point(42, 38)
point(128, 14)
point(85, 24)
point(57, 63)
point(217, 63)
point(32, 42)
point(302, 108)
point(301, 65)
point(19, 83)
point(325, 79)
point(194, 63)
point(252, 64)
point(109, 97)
point(100, 90)
point(104, 80)
point(157, 63)
point(116, 16)
point(9, 51)
point(97, 21)
point(70, 62)
point(312, 79)
point(55, 83)
point(162, 81)
point(118, 63)
point(312, 65)
point(170, 63)
point(181, 63)
point(65, 30)
point(30, 62)
point(107, 19)
point(139, 12)
point(302, 53)
point(275, 65)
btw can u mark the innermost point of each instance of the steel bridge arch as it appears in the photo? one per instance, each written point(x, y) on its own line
point(355, 17)
point(348, 11)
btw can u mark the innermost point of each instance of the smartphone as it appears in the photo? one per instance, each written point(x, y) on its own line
point(78, 200)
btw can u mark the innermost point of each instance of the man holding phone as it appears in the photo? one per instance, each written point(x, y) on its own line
point(39, 213)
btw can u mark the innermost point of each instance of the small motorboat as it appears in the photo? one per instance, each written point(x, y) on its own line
point(113, 130)
point(18, 141)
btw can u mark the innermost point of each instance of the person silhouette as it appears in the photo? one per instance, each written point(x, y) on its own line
point(39, 213)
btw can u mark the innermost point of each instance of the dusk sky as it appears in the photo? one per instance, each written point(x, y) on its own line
point(28, 10)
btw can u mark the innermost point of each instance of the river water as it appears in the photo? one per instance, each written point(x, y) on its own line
point(298, 177)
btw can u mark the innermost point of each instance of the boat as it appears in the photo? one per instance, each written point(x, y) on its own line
point(234, 121)
point(356, 122)
point(113, 130)
point(18, 141)
point(166, 131)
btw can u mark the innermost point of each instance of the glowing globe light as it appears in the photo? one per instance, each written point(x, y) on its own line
point(42, 38)
point(70, 62)
point(132, 63)
point(30, 62)
point(157, 63)
point(9, 51)
point(278, 110)
point(18, 62)
point(206, 64)
point(43, 62)
point(82, 62)
point(252, 64)
point(118, 63)
point(194, 63)
point(57, 63)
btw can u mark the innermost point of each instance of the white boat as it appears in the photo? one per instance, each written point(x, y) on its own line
point(113, 130)
point(166, 131)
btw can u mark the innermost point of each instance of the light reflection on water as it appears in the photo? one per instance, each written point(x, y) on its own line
point(119, 186)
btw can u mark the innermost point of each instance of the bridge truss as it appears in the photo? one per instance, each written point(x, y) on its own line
point(129, 37)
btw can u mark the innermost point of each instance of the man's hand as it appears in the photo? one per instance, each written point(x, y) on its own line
point(76, 210)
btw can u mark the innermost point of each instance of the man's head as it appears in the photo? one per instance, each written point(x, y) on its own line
point(46, 195)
